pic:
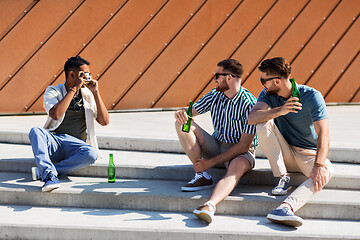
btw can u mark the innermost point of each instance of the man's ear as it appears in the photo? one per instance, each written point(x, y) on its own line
point(72, 75)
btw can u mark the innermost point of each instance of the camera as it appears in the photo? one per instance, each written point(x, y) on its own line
point(87, 77)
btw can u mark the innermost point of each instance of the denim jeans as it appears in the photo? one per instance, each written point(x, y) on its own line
point(59, 154)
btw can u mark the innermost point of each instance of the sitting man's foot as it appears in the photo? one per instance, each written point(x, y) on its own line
point(283, 186)
point(199, 182)
point(35, 173)
point(285, 216)
point(205, 212)
point(51, 182)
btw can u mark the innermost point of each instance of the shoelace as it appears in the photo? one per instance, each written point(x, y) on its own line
point(196, 177)
point(282, 182)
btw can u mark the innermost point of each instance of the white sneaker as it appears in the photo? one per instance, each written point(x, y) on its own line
point(35, 173)
point(205, 212)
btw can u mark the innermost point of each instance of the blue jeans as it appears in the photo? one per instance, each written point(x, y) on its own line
point(59, 154)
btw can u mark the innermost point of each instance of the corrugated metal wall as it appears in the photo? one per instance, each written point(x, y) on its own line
point(162, 53)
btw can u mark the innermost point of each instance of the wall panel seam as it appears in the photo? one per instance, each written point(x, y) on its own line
point(18, 20)
point(38, 49)
point(331, 50)
point(197, 54)
point(238, 47)
point(342, 73)
point(276, 41)
point(158, 55)
point(82, 49)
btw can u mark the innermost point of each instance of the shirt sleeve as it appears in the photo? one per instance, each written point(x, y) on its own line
point(263, 97)
point(51, 97)
point(204, 104)
point(249, 129)
point(318, 110)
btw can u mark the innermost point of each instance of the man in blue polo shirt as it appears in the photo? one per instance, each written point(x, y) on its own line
point(294, 136)
point(231, 144)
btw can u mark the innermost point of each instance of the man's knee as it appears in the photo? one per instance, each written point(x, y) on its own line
point(92, 155)
point(36, 131)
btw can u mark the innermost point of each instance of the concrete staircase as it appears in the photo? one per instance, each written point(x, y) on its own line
point(146, 200)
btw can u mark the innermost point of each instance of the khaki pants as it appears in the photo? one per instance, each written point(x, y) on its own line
point(285, 158)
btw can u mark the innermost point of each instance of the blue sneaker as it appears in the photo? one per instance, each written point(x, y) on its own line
point(51, 182)
point(283, 186)
point(285, 216)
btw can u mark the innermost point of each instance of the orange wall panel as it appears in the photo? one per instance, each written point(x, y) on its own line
point(348, 84)
point(103, 50)
point(11, 12)
point(322, 43)
point(178, 54)
point(163, 53)
point(294, 39)
point(39, 71)
point(334, 65)
point(198, 74)
point(146, 48)
point(47, 15)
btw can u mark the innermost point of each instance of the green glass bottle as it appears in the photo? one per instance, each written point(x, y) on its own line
point(187, 125)
point(295, 91)
point(111, 169)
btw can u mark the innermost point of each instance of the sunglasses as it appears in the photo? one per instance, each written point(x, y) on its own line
point(263, 81)
point(77, 104)
point(216, 75)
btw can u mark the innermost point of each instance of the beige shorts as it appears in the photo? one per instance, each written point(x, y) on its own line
point(212, 147)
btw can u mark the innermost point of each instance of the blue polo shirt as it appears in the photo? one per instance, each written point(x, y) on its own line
point(298, 128)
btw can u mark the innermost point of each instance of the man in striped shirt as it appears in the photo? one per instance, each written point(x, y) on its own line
point(231, 144)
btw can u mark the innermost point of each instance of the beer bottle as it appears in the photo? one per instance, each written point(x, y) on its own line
point(295, 91)
point(187, 125)
point(111, 169)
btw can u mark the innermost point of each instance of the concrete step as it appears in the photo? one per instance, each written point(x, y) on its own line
point(150, 165)
point(154, 131)
point(167, 145)
point(29, 222)
point(165, 195)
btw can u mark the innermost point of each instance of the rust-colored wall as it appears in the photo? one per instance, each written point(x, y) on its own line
point(162, 53)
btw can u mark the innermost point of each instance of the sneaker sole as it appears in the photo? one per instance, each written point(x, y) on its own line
point(50, 187)
point(194, 189)
point(203, 215)
point(292, 221)
point(281, 193)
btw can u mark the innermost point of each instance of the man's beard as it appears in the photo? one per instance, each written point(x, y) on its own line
point(272, 92)
point(223, 87)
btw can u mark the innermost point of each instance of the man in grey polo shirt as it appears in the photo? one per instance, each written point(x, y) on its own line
point(231, 144)
point(293, 135)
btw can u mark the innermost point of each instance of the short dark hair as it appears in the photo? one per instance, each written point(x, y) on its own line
point(233, 66)
point(74, 63)
point(276, 66)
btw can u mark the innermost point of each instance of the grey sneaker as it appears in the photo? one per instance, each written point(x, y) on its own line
point(35, 173)
point(199, 182)
point(283, 186)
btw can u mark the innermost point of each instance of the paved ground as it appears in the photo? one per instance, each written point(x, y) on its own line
point(343, 120)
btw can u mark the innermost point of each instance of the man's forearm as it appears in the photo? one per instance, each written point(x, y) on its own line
point(261, 116)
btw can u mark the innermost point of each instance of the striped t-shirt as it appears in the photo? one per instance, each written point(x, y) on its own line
point(229, 116)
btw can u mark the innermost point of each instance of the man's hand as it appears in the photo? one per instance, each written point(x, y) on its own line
point(202, 165)
point(319, 176)
point(181, 115)
point(291, 105)
point(93, 86)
